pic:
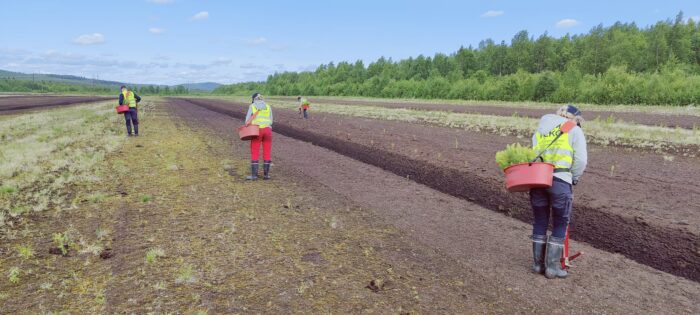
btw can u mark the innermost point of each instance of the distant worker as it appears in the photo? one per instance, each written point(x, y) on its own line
point(260, 114)
point(128, 97)
point(569, 156)
point(304, 106)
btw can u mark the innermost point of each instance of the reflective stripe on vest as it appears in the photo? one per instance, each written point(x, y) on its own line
point(263, 118)
point(560, 153)
point(129, 99)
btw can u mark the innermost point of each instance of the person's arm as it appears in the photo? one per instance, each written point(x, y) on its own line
point(249, 114)
point(578, 143)
point(138, 99)
point(121, 99)
point(271, 119)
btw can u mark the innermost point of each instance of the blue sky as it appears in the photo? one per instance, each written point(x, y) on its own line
point(181, 41)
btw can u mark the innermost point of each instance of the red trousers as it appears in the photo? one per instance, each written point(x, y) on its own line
point(265, 138)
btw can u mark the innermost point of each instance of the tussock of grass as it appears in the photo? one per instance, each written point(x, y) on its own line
point(153, 254)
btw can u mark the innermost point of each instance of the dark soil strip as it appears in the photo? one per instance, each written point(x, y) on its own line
point(662, 248)
point(682, 121)
point(18, 104)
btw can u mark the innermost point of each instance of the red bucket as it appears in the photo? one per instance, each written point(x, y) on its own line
point(121, 109)
point(248, 132)
point(525, 176)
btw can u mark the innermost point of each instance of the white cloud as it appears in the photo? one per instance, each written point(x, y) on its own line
point(89, 39)
point(492, 13)
point(160, 1)
point(258, 41)
point(565, 23)
point(696, 18)
point(200, 16)
point(156, 31)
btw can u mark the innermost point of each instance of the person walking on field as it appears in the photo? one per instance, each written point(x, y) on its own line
point(567, 151)
point(304, 106)
point(260, 114)
point(128, 97)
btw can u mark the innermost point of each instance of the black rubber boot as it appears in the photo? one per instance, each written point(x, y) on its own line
point(253, 171)
point(552, 262)
point(266, 170)
point(539, 243)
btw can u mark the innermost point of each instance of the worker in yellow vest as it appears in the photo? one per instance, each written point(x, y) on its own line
point(304, 106)
point(128, 97)
point(567, 151)
point(260, 114)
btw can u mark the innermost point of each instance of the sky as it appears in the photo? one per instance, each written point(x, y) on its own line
point(188, 41)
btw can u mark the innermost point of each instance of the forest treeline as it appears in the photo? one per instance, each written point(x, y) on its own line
point(45, 86)
point(618, 64)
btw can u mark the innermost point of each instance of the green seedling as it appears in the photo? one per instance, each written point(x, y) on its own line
point(514, 154)
point(63, 242)
point(25, 251)
point(146, 198)
point(153, 254)
point(14, 274)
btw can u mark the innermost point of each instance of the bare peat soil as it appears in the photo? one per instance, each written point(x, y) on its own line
point(489, 250)
point(634, 203)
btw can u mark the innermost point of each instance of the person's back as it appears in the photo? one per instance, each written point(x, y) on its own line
point(566, 150)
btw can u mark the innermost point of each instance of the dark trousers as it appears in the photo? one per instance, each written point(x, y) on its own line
point(558, 198)
point(132, 117)
point(306, 115)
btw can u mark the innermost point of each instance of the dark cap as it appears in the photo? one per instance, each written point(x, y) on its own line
point(254, 96)
point(123, 87)
point(573, 110)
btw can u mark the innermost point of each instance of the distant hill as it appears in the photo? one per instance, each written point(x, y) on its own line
point(71, 79)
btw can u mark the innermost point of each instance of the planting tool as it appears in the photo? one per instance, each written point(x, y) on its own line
point(566, 259)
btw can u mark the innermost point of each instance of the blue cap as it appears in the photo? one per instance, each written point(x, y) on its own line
point(254, 96)
point(573, 110)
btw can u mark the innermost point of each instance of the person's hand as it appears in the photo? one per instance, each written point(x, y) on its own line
point(575, 182)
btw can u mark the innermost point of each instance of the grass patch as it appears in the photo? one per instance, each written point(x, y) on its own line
point(46, 154)
point(153, 254)
point(186, 274)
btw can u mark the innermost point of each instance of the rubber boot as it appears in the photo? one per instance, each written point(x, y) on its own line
point(552, 262)
point(253, 171)
point(266, 170)
point(136, 130)
point(539, 242)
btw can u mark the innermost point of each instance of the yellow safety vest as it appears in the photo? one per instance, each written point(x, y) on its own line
point(560, 153)
point(263, 116)
point(129, 99)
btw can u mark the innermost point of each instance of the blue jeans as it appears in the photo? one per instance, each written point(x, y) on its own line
point(558, 198)
point(132, 117)
point(306, 115)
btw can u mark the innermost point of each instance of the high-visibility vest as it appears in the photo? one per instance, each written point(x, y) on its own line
point(129, 99)
point(305, 103)
point(560, 153)
point(262, 118)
